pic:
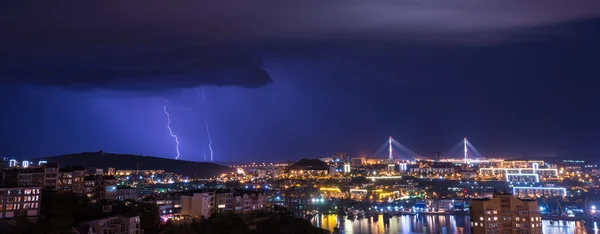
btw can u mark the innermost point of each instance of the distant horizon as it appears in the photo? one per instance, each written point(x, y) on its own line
point(230, 163)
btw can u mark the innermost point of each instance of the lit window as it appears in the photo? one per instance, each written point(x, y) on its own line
point(471, 224)
point(517, 218)
point(481, 218)
point(495, 212)
point(531, 219)
point(516, 225)
point(476, 224)
point(532, 225)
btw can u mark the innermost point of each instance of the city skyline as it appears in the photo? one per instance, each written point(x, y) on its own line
point(518, 84)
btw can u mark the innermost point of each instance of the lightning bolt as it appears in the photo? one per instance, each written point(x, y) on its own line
point(171, 131)
point(209, 139)
point(202, 97)
point(204, 150)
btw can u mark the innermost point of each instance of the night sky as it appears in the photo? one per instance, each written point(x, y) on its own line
point(282, 80)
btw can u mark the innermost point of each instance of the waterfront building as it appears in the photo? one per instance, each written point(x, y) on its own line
point(204, 204)
point(505, 214)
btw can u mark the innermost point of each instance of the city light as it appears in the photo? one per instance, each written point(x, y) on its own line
point(537, 177)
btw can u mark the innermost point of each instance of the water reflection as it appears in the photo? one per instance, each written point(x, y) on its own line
point(443, 224)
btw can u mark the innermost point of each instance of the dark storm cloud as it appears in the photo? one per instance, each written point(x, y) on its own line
point(131, 70)
point(211, 22)
point(142, 44)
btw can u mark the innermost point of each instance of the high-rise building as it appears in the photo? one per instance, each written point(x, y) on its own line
point(505, 214)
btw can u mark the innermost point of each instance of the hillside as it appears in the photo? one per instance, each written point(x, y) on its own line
point(104, 160)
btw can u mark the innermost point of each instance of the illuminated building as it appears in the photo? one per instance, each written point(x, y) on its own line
point(169, 203)
point(13, 163)
point(138, 172)
point(23, 177)
point(505, 214)
point(122, 224)
point(442, 205)
point(205, 203)
point(224, 202)
point(247, 202)
point(111, 171)
point(51, 175)
point(99, 187)
point(442, 168)
point(522, 163)
point(340, 157)
point(71, 179)
point(391, 168)
point(357, 162)
point(534, 192)
point(403, 167)
point(126, 193)
point(20, 202)
point(346, 168)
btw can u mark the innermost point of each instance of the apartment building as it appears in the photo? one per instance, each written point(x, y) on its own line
point(505, 214)
point(51, 171)
point(122, 224)
point(224, 202)
point(126, 193)
point(71, 179)
point(199, 205)
point(169, 203)
point(100, 187)
point(23, 177)
point(249, 201)
point(20, 202)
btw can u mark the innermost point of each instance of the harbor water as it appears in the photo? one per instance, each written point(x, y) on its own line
point(443, 224)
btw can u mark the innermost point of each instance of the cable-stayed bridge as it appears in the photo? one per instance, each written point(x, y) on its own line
point(394, 150)
point(463, 149)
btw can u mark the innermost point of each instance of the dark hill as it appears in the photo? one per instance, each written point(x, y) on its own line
point(309, 164)
point(132, 162)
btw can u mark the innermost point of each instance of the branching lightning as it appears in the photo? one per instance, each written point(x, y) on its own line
point(171, 131)
point(204, 150)
point(201, 98)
